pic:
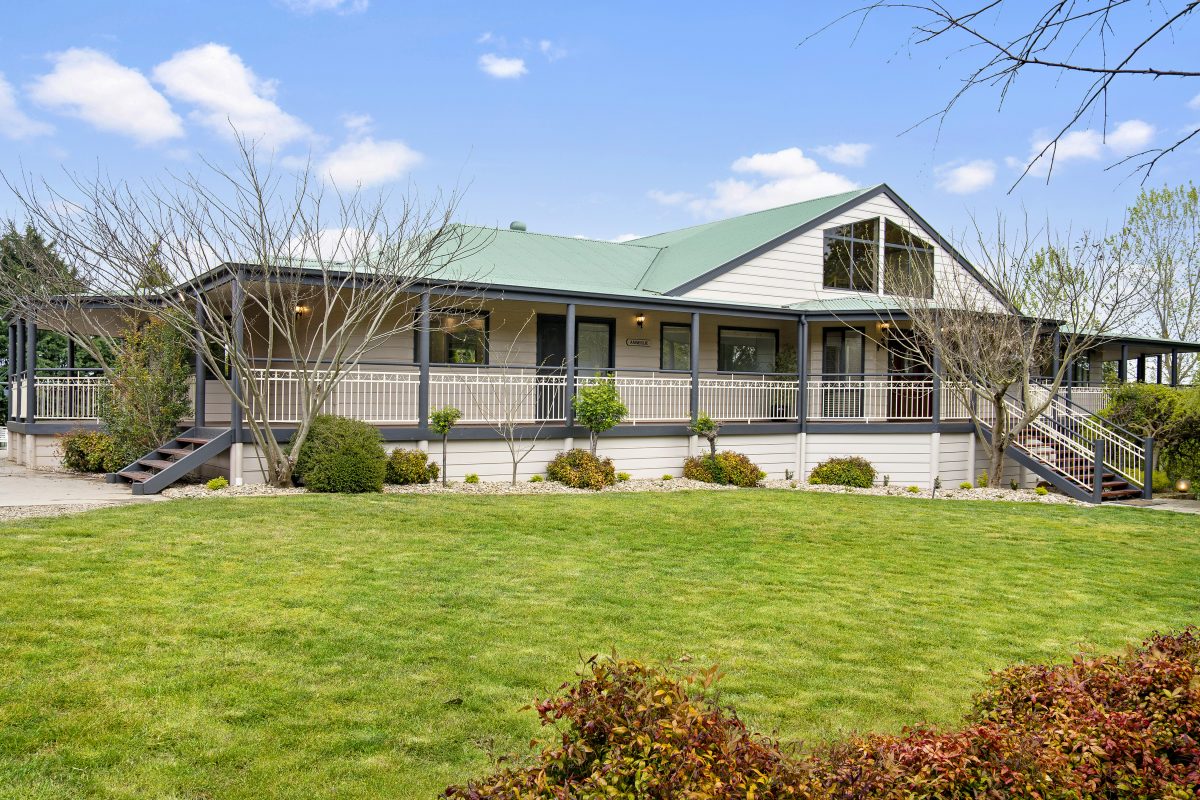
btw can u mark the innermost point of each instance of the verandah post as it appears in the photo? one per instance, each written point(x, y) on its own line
point(1148, 478)
point(201, 370)
point(935, 405)
point(1174, 367)
point(15, 371)
point(569, 360)
point(1141, 369)
point(802, 372)
point(1123, 364)
point(10, 363)
point(1098, 470)
point(694, 363)
point(423, 364)
point(30, 370)
point(235, 381)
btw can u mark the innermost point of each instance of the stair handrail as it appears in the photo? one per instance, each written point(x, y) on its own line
point(1039, 424)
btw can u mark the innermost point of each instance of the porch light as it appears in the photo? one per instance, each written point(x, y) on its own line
point(640, 319)
point(1183, 485)
point(302, 310)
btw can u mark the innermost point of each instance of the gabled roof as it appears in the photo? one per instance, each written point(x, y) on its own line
point(691, 253)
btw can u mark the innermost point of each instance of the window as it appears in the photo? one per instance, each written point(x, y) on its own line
point(907, 263)
point(746, 350)
point(594, 344)
point(676, 347)
point(842, 353)
point(458, 338)
point(851, 254)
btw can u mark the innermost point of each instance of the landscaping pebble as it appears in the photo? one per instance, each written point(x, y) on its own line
point(11, 513)
point(1004, 495)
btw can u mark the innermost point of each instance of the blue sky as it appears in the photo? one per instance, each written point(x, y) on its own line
point(604, 120)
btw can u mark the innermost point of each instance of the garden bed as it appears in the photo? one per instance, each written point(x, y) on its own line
point(945, 493)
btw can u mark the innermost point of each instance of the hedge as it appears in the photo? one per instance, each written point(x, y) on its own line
point(341, 455)
point(844, 471)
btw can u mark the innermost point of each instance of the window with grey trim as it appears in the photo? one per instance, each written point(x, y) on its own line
point(676, 348)
point(458, 338)
point(746, 350)
point(852, 255)
point(907, 263)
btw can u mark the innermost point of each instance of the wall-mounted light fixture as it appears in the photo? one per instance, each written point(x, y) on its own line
point(640, 319)
point(302, 310)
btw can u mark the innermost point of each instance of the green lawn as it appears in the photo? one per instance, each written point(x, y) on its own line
point(320, 646)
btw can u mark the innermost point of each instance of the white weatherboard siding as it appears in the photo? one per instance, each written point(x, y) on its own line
point(794, 271)
point(902, 456)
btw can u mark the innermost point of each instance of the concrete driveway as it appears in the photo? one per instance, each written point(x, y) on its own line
point(25, 492)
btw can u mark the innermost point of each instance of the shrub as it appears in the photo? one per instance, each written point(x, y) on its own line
point(982, 481)
point(217, 484)
point(1012, 484)
point(707, 428)
point(90, 451)
point(341, 455)
point(582, 470)
point(535, 479)
point(913, 489)
point(622, 477)
point(406, 467)
point(1097, 727)
point(668, 476)
point(471, 477)
point(1160, 483)
point(1041, 491)
point(598, 407)
point(442, 422)
point(847, 471)
point(966, 485)
point(726, 467)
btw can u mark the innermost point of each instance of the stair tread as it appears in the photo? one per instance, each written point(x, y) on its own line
point(192, 440)
point(175, 451)
point(137, 476)
point(157, 463)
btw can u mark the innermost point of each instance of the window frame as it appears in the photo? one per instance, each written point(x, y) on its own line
point(477, 313)
point(826, 374)
point(908, 249)
point(721, 329)
point(611, 322)
point(828, 233)
point(662, 339)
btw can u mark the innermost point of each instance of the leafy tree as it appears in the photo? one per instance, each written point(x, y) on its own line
point(598, 408)
point(441, 422)
point(148, 391)
point(1146, 409)
point(707, 428)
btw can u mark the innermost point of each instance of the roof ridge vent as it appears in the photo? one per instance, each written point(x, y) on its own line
point(516, 225)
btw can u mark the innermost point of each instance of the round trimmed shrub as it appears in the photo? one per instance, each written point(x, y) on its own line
point(726, 467)
point(844, 471)
point(580, 469)
point(90, 451)
point(406, 467)
point(341, 455)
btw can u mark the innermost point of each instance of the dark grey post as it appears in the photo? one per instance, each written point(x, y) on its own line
point(239, 334)
point(1123, 364)
point(1158, 368)
point(802, 372)
point(423, 322)
point(1098, 470)
point(1141, 369)
point(11, 366)
point(694, 362)
point(30, 370)
point(201, 370)
point(1056, 344)
point(569, 389)
point(1148, 478)
point(1174, 366)
point(19, 369)
point(70, 357)
point(936, 400)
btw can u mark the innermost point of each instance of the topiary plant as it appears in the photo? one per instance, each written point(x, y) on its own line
point(707, 428)
point(341, 455)
point(582, 470)
point(844, 471)
point(441, 422)
point(598, 407)
point(406, 467)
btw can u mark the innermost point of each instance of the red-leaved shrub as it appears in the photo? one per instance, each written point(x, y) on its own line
point(1099, 727)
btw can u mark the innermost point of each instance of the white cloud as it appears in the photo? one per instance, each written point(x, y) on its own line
point(670, 198)
point(500, 67)
point(783, 177)
point(93, 87)
point(1194, 102)
point(228, 95)
point(627, 237)
point(340, 6)
point(358, 125)
point(1089, 144)
point(552, 51)
point(852, 154)
point(367, 162)
point(965, 178)
point(14, 123)
point(484, 38)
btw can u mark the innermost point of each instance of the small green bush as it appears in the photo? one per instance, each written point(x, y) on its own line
point(667, 476)
point(1014, 485)
point(217, 484)
point(406, 467)
point(622, 477)
point(966, 485)
point(726, 467)
point(1160, 483)
point(536, 479)
point(847, 471)
point(89, 451)
point(913, 489)
point(582, 470)
point(471, 477)
point(341, 455)
point(1041, 491)
point(982, 481)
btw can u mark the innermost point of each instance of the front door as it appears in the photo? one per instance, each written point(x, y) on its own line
point(910, 394)
point(551, 366)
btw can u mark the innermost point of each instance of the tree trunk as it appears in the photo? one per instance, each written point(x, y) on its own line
point(592, 439)
point(514, 474)
point(999, 443)
point(712, 447)
point(445, 436)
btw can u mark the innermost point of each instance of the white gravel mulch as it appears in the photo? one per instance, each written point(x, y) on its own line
point(11, 513)
point(1004, 495)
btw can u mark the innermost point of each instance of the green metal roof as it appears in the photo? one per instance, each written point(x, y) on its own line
point(690, 253)
point(652, 265)
point(847, 304)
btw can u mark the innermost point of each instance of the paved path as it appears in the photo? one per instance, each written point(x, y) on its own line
point(1166, 504)
point(26, 492)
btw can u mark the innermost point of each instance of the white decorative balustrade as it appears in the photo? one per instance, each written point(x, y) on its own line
point(870, 399)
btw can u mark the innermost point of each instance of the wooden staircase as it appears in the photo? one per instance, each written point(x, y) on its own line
point(1071, 465)
point(164, 465)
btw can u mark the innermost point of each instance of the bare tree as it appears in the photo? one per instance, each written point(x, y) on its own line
point(1100, 41)
point(272, 271)
point(1161, 236)
point(995, 346)
point(506, 401)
